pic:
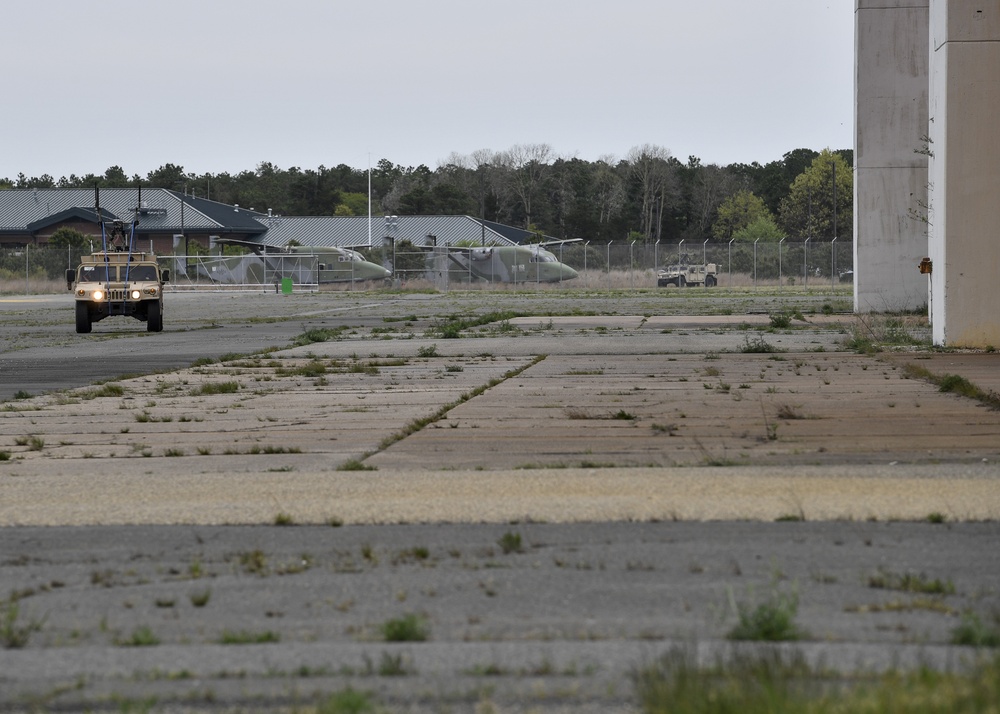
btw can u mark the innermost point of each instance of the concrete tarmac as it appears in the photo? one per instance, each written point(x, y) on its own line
point(656, 458)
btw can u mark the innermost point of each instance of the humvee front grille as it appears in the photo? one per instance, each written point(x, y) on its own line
point(116, 295)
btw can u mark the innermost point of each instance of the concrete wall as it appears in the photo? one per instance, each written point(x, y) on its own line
point(890, 176)
point(964, 111)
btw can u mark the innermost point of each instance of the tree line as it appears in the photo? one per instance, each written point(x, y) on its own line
point(649, 195)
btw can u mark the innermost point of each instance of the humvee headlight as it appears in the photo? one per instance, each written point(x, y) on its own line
point(98, 294)
point(151, 291)
point(136, 294)
point(81, 292)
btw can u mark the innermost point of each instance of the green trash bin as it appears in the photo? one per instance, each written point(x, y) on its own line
point(286, 286)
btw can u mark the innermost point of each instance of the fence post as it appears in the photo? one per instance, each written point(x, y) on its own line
point(805, 263)
point(731, 262)
point(609, 266)
point(833, 261)
point(779, 261)
point(631, 265)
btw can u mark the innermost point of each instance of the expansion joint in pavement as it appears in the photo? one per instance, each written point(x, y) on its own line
point(418, 424)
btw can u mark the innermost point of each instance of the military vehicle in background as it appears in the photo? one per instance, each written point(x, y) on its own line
point(118, 280)
point(688, 275)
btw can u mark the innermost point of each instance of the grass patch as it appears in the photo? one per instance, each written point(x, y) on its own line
point(910, 583)
point(141, 637)
point(107, 390)
point(210, 388)
point(34, 443)
point(954, 384)
point(246, 637)
point(781, 320)
point(772, 620)
point(347, 701)
point(757, 345)
point(973, 632)
point(253, 562)
point(355, 465)
point(319, 334)
point(408, 628)
point(510, 542)
point(15, 634)
point(200, 598)
point(874, 333)
point(784, 683)
point(452, 327)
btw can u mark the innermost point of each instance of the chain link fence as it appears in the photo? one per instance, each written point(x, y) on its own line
point(815, 265)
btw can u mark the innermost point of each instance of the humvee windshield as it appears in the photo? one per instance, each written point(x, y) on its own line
point(142, 272)
point(94, 273)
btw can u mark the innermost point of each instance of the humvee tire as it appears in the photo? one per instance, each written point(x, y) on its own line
point(82, 318)
point(154, 318)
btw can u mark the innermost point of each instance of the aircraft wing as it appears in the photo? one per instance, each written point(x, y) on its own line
point(560, 241)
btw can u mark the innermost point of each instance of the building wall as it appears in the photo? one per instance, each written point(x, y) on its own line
point(890, 170)
point(964, 240)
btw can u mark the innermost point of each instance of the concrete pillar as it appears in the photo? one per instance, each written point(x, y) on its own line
point(890, 170)
point(964, 113)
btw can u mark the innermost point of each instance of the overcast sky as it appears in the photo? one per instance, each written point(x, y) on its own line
point(222, 85)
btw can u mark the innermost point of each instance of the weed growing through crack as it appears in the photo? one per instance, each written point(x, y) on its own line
point(141, 637)
point(246, 637)
point(973, 632)
point(200, 598)
point(408, 628)
point(510, 542)
point(34, 443)
point(319, 334)
point(253, 562)
point(211, 388)
point(355, 465)
point(13, 633)
point(783, 682)
point(772, 620)
point(757, 345)
point(348, 701)
point(910, 582)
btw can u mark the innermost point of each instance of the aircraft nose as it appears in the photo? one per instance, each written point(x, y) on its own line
point(567, 273)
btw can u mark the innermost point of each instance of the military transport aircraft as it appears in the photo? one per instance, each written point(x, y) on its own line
point(305, 264)
point(512, 263)
point(338, 265)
